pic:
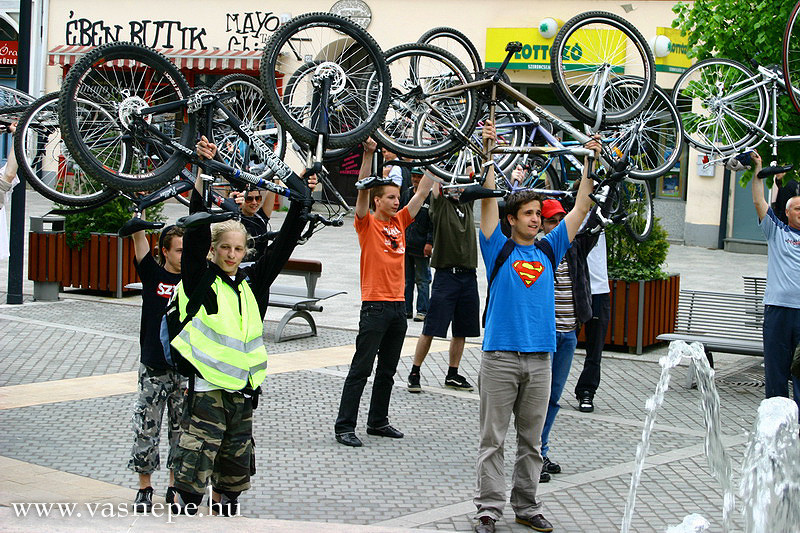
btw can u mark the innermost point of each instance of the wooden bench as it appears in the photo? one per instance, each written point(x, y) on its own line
point(300, 301)
point(722, 322)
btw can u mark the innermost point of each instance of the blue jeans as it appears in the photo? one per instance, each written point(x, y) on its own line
point(561, 362)
point(418, 272)
point(781, 336)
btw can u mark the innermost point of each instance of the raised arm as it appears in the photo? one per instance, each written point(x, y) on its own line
point(362, 200)
point(11, 169)
point(583, 203)
point(758, 187)
point(490, 213)
point(425, 185)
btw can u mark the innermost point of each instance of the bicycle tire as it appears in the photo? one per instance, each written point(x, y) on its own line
point(652, 141)
point(791, 56)
point(250, 107)
point(455, 42)
point(509, 136)
point(698, 94)
point(148, 79)
point(346, 51)
point(638, 206)
point(572, 81)
point(418, 124)
point(44, 163)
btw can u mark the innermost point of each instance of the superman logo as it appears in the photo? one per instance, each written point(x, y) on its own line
point(528, 271)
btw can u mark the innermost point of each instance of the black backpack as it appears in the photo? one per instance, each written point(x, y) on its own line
point(505, 252)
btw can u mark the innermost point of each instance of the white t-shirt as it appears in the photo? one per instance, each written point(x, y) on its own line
point(598, 266)
point(396, 175)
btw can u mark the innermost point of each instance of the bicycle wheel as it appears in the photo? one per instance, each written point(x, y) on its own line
point(335, 47)
point(250, 107)
point(638, 204)
point(708, 94)
point(455, 42)
point(653, 140)
point(791, 57)
point(512, 132)
point(47, 166)
point(597, 46)
point(420, 123)
point(124, 79)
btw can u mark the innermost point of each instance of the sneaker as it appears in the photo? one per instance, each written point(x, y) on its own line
point(144, 501)
point(485, 525)
point(420, 317)
point(550, 467)
point(585, 403)
point(413, 383)
point(458, 382)
point(544, 477)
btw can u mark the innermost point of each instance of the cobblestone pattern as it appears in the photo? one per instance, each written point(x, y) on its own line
point(304, 474)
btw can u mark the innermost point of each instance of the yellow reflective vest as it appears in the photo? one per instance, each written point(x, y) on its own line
point(226, 348)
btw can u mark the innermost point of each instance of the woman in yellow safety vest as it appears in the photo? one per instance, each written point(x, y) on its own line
point(224, 344)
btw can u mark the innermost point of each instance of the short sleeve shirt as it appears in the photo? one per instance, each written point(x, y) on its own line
point(454, 242)
point(783, 262)
point(383, 246)
point(157, 288)
point(520, 313)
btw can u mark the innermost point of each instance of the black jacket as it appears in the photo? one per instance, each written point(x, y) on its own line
point(420, 232)
point(579, 272)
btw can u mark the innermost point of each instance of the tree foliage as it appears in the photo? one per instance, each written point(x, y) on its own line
point(629, 260)
point(743, 30)
point(107, 218)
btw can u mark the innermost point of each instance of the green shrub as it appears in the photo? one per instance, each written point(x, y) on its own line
point(629, 260)
point(107, 218)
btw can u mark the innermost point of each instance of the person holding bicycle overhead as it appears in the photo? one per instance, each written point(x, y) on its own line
point(382, 325)
point(223, 343)
point(520, 334)
point(256, 207)
point(781, 328)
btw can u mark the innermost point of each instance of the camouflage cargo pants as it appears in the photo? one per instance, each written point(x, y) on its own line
point(216, 443)
point(157, 389)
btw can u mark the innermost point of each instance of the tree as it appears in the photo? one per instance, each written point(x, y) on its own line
point(742, 30)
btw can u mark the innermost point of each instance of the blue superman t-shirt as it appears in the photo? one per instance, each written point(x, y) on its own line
point(520, 314)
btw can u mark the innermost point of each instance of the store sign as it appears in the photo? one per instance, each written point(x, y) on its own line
point(535, 53)
point(676, 61)
point(8, 53)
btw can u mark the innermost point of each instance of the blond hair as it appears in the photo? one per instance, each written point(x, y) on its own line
point(220, 228)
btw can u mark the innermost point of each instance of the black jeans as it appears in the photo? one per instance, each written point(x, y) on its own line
point(596, 329)
point(381, 331)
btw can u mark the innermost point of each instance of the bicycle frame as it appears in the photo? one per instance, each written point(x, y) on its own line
point(772, 81)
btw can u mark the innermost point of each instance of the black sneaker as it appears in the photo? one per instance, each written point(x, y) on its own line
point(144, 501)
point(550, 467)
point(457, 382)
point(413, 383)
point(585, 403)
point(544, 477)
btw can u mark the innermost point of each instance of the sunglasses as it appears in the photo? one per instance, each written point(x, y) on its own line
point(252, 198)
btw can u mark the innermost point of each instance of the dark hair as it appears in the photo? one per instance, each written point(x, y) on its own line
point(377, 192)
point(516, 200)
point(165, 241)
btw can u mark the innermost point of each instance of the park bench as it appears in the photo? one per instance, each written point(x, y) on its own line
point(300, 301)
point(722, 322)
point(754, 285)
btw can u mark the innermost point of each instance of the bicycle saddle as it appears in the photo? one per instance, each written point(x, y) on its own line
point(372, 181)
point(771, 171)
point(199, 219)
point(474, 192)
point(137, 224)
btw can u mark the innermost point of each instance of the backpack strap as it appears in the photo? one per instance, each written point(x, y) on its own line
point(547, 250)
point(196, 298)
point(505, 251)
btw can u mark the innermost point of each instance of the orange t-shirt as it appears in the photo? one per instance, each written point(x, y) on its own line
point(383, 247)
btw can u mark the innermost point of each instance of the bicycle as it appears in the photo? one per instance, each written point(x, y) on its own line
point(791, 56)
point(724, 107)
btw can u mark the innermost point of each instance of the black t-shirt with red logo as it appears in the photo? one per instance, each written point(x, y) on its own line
point(157, 288)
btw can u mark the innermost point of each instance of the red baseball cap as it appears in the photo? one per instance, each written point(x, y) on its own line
point(551, 208)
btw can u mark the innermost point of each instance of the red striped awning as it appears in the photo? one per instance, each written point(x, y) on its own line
point(209, 60)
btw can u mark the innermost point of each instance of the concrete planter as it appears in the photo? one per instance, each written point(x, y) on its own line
point(640, 311)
